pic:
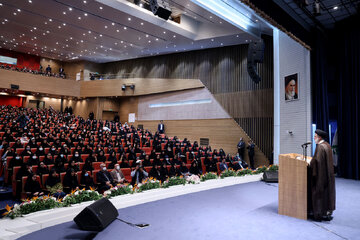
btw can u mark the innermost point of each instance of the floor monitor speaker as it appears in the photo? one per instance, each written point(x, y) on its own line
point(97, 216)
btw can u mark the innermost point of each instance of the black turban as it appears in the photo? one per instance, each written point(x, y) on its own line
point(321, 133)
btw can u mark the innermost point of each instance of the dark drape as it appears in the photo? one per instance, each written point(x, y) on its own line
point(347, 49)
point(319, 65)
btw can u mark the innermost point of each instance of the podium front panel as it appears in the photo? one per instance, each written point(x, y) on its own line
point(292, 186)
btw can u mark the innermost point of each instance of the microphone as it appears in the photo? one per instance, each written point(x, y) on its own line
point(305, 144)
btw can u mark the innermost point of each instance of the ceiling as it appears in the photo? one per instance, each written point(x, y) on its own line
point(112, 30)
point(330, 11)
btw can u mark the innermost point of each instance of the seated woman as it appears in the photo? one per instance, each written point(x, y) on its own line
point(147, 161)
point(54, 186)
point(86, 180)
point(42, 169)
point(76, 157)
point(33, 160)
point(49, 159)
point(32, 186)
point(101, 156)
point(70, 181)
point(112, 159)
point(73, 165)
point(40, 151)
point(194, 169)
point(184, 170)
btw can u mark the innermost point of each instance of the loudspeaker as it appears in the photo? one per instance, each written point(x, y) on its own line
point(256, 51)
point(160, 9)
point(97, 216)
point(271, 176)
point(255, 55)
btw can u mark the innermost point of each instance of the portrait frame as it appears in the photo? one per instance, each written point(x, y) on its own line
point(291, 89)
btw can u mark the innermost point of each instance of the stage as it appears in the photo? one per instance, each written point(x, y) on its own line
point(233, 211)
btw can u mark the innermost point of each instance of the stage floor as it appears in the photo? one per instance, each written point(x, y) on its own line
point(243, 211)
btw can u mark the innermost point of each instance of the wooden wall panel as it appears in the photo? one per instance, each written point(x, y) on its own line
point(54, 64)
point(248, 104)
point(142, 86)
point(40, 84)
point(223, 133)
point(128, 105)
point(224, 72)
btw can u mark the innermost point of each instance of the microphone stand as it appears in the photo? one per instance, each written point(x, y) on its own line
point(304, 147)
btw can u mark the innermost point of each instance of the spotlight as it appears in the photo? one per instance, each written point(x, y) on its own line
point(160, 10)
point(317, 8)
point(132, 86)
point(123, 87)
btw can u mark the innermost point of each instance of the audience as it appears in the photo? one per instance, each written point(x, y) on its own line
point(62, 142)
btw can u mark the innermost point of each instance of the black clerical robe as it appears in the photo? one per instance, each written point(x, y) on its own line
point(322, 181)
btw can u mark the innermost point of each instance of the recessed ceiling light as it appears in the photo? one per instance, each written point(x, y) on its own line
point(113, 24)
point(70, 9)
point(335, 8)
point(50, 20)
point(212, 39)
point(129, 19)
point(64, 13)
point(34, 28)
point(142, 24)
point(89, 31)
point(100, 35)
point(106, 27)
point(79, 18)
point(71, 38)
point(64, 24)
point(15, 13)
point(100, 7)
point(157, 39)
point(85, 14)
point(174, 36)
point(210, 16)
point(45, 22)
point(84, 2)
point(19, 10)
point(118, 30)
point(30, 1)
point(125, 28)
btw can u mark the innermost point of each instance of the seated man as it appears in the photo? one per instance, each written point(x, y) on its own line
point(138, 175)
point(117, 175)
point(104, 178)
point(223, 166)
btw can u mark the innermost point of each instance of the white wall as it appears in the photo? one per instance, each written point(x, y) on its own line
point(211, 110)
point(289, 58)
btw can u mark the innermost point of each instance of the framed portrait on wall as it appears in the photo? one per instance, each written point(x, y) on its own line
point(291, 87)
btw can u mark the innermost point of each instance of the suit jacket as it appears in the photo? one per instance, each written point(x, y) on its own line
point(114, 175)
point(103, 177)
point(161, 128)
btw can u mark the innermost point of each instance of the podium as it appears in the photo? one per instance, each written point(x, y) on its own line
point(293, 185)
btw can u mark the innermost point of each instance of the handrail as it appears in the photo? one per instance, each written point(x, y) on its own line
point(105, 76)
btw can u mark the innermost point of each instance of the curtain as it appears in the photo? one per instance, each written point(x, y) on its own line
point(347, 50)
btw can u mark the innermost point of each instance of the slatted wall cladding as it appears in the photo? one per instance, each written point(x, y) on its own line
point(261, 131)
point(224, 72)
